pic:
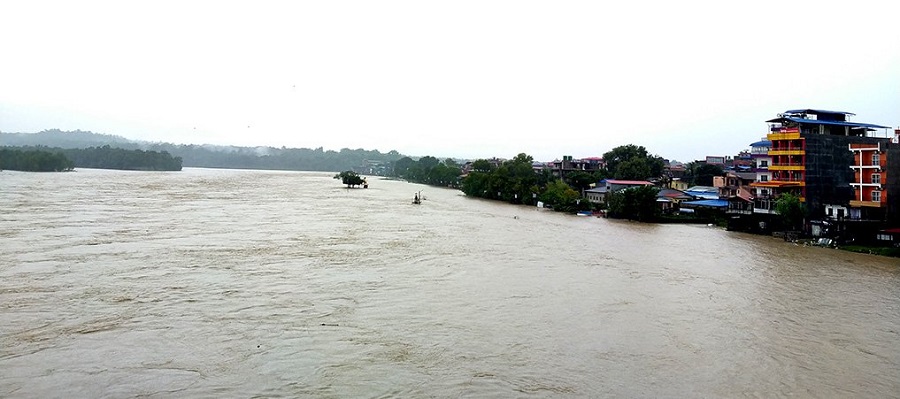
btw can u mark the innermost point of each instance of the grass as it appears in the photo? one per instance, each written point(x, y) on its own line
point(883, 251)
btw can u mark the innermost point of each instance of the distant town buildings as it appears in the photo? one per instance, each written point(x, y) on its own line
point(845, 173)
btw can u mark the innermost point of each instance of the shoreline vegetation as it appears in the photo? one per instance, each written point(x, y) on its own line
point(46, 159)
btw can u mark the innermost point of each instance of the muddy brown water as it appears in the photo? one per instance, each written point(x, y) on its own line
point(228, 283)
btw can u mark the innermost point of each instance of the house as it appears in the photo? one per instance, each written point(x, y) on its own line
point(889, 237)
point(598, 194)
point(678, 184)
point(669, 199)
point(569, 165)
point(735, 184)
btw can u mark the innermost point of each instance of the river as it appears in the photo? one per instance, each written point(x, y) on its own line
point(231, 283)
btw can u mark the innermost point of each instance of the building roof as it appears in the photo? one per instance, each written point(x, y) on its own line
point(701, 189)
point(628, 182)
point(822, 122)
point(763, 143)
point(746, 175)
point(709, 203)
point(673, 193)
point(816, 111)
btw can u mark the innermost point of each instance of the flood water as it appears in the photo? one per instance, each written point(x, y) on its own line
point(228, 283)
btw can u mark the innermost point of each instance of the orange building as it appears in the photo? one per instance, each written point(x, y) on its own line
point(870, 171)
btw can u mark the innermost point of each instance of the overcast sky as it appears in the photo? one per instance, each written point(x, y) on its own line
point(451, 78)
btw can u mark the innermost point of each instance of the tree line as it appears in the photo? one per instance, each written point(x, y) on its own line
point(516, 181)
point(34, 161)
point(214, 156)
point(428, 170)
point(105, 157)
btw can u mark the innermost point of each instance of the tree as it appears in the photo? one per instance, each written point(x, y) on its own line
point(635, 203)
point(402, 166)
point(581, 180)
point(561, 197)
point(639, 165)
point(482, 165)
point(701, 173)
point(633, 169)
point(350, 178)
point(790, 208)
point(428, 162)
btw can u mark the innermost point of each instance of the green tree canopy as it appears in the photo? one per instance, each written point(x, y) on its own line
point(633, 169)
point(635, 203)
point(635, 162)
point(791, 210)
point(701, 173)
point(561, 197)
point(482, 165)
point(350, 178)
point(34, 160)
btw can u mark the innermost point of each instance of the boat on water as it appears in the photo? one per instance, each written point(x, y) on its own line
point(417, 198)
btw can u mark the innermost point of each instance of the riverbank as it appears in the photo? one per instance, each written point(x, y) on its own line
point(862, 249)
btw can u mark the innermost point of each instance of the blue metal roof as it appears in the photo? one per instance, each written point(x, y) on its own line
point(833, 123)
point(816, 111)
point(763, 143)
point(710, 203)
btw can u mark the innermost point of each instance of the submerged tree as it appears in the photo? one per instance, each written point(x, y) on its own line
point(790, 208)
point(562, 197)
point(635, 203)
point(350, 178)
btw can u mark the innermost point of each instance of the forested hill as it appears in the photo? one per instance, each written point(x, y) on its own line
point(210, 156)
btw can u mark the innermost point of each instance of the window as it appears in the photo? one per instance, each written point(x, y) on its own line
point(876, 178)
point(876, 196)
point(884, 237)
point(763, 177)
point(763, 164)
point(830, 211)
point(876, 159)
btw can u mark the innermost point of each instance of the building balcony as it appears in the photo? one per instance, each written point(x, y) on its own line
point(788, 182)
point(791, 151)
point(783, 136)
point(787, 167)
point(867, 204)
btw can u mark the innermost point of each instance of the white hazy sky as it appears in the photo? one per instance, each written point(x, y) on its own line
point(459, 78)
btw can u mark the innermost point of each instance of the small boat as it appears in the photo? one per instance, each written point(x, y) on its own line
point(417, 199)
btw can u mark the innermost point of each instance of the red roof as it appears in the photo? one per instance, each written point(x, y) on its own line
point(895, 230)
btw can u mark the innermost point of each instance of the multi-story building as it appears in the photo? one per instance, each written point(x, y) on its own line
point(876, 184)
point(810, 158)
point(569, 164)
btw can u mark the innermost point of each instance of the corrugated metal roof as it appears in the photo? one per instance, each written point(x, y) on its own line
point(763, 143)
point(710, 203)
point(833, 123)
point(816, 111)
